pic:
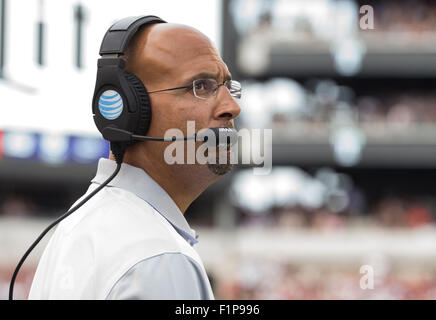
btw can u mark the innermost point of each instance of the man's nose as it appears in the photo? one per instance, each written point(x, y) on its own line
point(227, 108)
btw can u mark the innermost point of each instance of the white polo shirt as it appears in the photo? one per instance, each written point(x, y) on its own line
point(130, 241)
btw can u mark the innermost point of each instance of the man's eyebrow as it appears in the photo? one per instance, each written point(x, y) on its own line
point(207, 75)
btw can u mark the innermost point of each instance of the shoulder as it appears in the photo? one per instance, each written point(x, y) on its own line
point(114, 212)
point(113, 232)
point(116, 221)
point(103, 239)
point(164, 276)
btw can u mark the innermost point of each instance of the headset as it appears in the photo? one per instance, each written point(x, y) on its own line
point(121, 109)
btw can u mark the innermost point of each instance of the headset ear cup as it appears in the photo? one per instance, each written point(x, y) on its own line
point(144, 106)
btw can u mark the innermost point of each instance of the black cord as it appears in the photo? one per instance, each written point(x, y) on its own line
point(118, 156)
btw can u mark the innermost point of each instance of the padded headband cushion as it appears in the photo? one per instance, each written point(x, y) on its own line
point(118, 36)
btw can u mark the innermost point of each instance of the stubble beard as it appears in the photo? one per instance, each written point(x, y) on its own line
point(220, 169)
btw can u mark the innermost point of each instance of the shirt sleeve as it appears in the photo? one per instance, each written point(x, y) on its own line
point(169, 276)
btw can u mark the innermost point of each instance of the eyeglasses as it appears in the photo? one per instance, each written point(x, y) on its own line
point(205, 88)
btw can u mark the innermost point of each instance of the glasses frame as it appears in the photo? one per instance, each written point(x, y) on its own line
point(235, 94)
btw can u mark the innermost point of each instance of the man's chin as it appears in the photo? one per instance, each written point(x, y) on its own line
point(225, 166)
point(220, 169)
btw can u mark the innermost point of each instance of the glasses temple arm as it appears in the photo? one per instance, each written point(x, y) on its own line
point(170, 89)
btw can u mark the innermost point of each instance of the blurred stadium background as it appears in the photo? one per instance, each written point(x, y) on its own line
point(353, 116)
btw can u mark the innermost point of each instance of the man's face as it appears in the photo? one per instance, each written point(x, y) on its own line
point(180, 55)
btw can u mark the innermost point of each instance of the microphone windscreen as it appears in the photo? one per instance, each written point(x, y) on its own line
point(216, 137)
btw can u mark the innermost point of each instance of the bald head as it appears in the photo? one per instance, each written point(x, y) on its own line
point(161, 51)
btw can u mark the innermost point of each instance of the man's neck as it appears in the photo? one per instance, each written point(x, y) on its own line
point(183, 183)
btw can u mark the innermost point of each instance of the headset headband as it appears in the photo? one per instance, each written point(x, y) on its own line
point(117, 37)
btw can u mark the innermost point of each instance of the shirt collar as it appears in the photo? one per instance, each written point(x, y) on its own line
point(138, 182)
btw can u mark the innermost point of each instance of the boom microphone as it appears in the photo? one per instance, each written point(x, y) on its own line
point(212, 136)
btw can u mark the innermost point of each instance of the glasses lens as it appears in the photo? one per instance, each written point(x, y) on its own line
point(204, 88)
point(235, 88)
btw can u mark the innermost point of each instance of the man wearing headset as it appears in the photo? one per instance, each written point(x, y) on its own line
point(132, 241)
